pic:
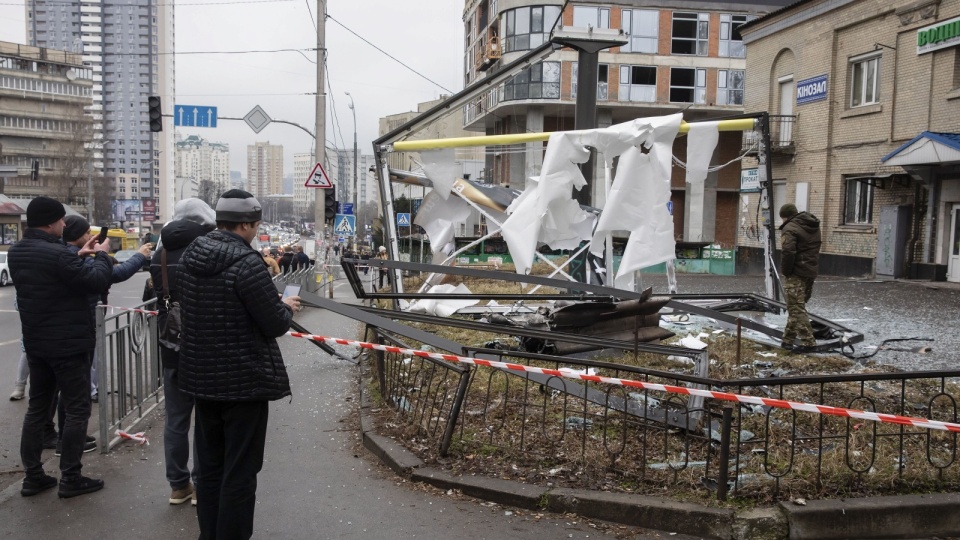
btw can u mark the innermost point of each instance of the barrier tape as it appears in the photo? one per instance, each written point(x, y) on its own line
point(135, 310)
point(140, 438)
point(725, 396)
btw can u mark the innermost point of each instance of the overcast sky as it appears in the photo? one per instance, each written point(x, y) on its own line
point(427, 35)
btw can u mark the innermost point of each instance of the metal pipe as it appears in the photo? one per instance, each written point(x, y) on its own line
point(723, 474)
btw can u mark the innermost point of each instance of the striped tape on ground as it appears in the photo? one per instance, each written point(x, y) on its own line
point(725, 396)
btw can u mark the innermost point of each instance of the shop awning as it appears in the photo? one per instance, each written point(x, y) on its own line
point(8, 207)
point(883, 180)
point(927, 148)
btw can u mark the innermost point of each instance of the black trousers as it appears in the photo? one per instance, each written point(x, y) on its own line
point(229, 439)
point(71, 375)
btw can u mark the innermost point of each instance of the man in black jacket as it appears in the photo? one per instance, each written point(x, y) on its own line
point(800, 264)
point(230, 362)
point(59, 333)
point(192, 218)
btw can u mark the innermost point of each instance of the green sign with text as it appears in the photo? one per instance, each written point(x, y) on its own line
point(938, 36)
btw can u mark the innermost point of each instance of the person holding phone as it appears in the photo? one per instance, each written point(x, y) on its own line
point(230, 361)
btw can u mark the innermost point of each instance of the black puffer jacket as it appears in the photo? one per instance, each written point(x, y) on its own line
point(800, 241)
point(176, 236)
point(232, 316)
point(53, 284)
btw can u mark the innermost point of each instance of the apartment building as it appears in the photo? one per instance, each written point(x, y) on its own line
point(869, 94)
point(206, 163)
point(126, 46)
point(44, 95)
point(264, 169)
point(304, 198)
point(680, 56)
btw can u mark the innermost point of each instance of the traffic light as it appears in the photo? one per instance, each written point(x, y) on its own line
point(35, 171)
point(156, 115)
point(330, 204)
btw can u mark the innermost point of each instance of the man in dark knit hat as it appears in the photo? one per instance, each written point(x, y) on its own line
point(59, 333)
point(799, 263)
point(230, 362)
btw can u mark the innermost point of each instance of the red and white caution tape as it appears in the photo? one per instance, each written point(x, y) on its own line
point(725, 396)
point(140, 438)
point(135, 310)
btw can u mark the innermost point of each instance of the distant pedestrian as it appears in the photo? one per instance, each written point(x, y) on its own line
point(303, 261)
point(287, 261)
point(230, 362)
point(384, 272)
point(270, 262)
point(59, 333)
point(800, 264)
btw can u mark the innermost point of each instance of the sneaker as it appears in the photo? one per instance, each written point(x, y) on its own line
point(19, 392)
point(88, 446)
point(81, 486)
point(35, 485)
point(182, 495)
point(194, 500)
point(91, 439)
point(95, 397)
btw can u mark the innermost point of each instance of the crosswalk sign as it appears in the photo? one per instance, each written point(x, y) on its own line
point(318, 178)
point(403, 220)
point(345, 224)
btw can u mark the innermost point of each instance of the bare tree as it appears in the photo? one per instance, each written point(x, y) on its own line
point(74, 164)
point(209, 191)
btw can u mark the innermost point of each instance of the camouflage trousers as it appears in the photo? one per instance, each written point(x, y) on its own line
point(798, 330)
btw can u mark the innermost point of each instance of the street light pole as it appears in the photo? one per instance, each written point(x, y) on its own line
point(356, 163)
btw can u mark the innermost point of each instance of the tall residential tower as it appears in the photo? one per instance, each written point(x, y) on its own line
point(264, 169)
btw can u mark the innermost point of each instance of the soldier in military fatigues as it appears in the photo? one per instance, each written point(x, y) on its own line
point(799, 263)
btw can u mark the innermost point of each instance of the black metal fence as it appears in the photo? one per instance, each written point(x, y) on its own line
point(573, 432)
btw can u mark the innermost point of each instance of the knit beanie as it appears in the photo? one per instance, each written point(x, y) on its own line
point(238, 206)
point(788, 211)
point(75, 227)
point(195, 210)
point(43, 211)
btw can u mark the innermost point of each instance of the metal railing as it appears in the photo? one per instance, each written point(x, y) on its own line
point(129, 374)
point(306, 277)
point(579, 433)
point(782, 134)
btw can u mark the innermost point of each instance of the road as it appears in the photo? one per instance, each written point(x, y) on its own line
point(316, 482)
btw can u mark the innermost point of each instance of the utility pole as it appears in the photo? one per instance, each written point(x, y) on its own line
point(319, 217)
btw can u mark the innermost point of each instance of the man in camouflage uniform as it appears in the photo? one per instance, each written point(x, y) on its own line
point(799, 262)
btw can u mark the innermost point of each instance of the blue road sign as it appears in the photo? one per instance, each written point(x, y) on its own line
point(346, 208)
point(345, 225)
point(195, 116)
point(403, 220)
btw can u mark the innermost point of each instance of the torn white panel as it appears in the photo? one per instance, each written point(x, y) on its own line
point(438, 217)
point(691, 342)
point(440, 167)
point(638, 200)
point(701, 143)
point(547, 212)
point(442, 307)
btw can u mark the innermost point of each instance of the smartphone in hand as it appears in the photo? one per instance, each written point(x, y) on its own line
point(290, 290)
point(103, 234)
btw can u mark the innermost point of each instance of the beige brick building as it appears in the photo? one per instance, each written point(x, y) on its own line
point(866, 132)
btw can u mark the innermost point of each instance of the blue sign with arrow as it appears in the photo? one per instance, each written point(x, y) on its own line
point(195, 116)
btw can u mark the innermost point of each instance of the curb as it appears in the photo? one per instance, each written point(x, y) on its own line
point(907, 516)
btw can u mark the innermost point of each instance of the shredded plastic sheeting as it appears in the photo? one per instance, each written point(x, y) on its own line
point(442, 307)
point(438, 217)
point(440, 167)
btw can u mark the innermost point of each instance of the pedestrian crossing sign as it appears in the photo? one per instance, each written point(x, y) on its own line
point(403, 220)
point(345, 224)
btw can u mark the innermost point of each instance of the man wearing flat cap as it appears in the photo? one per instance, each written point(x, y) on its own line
point(59, 333)
point(230, 361)
point(799, 263)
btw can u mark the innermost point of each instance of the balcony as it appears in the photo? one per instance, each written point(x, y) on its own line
point(781, 136)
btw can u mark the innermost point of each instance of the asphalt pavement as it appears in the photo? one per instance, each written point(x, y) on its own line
point(317, 481)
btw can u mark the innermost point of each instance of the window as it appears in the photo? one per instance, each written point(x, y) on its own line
point(528, 27)
point(638, 83)
point(864, 80)
point(688, 85)
point(690, 33)
point(539, 81)
point(602, 76)
point(591, 16)
point(730, 87)
point(858, 206)
point(641, 27)
point(731, 44)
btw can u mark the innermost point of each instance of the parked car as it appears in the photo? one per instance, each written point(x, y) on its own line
point(124, 255)
point(5, 278)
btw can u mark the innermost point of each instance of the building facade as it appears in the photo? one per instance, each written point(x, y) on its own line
point(121, 42)
point(44, 97)
point(207, 163)
point(303, 197)
point(264, 169)
point(680, 56)
point(870, 90)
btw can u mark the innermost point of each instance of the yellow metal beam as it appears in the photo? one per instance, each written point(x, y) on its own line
point(740, 124)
